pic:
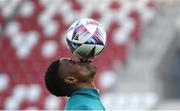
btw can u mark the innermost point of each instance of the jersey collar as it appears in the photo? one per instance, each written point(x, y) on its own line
point(87, 91)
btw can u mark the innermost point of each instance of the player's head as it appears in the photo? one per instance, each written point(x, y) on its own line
point(65, 75)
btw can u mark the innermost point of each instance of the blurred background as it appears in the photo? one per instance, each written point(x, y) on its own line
point(139, 68)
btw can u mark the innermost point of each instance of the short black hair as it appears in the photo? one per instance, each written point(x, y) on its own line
point(52, 78)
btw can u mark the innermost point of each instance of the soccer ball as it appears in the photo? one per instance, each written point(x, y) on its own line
point(86, 38)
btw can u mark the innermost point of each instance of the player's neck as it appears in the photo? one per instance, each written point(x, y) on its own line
point(87, 85)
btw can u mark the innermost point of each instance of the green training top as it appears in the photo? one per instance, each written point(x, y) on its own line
point(84, 99)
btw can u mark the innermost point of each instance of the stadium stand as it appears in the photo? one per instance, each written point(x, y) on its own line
point(32, 35)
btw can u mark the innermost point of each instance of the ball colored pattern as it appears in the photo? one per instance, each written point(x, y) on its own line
point(83, 38)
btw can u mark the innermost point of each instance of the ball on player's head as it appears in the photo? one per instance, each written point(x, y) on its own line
point(86, 38)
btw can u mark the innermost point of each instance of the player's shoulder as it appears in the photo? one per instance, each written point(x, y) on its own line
point(82, 107)
point(81, 102)
point(77, 103)
point(80, 98)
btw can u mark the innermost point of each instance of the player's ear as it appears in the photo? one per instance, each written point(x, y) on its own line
point(70, 80)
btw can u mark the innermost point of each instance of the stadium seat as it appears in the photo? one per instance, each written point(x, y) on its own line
point(11, 103)
point(33, 92)
point(52, 103)
point(115, 5)
point(107, 79)
point(27, 9)
point(4, 81)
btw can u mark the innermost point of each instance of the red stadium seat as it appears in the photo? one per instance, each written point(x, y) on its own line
point(151, 3)
point(115, 5)
point(2, 19)
point(75, 5)
point(96, 15)
point(122, 52)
